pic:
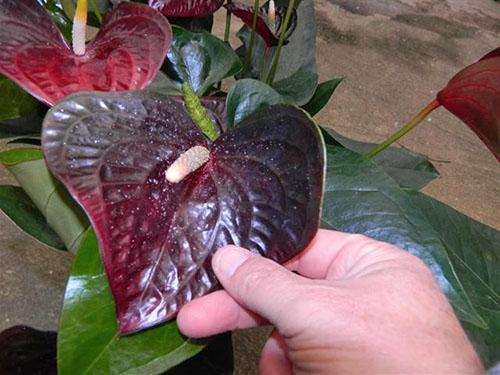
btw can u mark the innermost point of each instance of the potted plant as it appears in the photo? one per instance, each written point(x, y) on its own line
point(149, 143)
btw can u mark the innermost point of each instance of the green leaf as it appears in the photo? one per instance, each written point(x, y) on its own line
point(59, 17)
point(22, 211)
point(163, 84)
point(299, 87)
point(248, 96)
point(462, 254)
point(299, 53)
point(62, 213)
point(322, 96)
point(14, 101)
point(88, 340)
point(410, 170)
point(200, 59)
point(477, 265)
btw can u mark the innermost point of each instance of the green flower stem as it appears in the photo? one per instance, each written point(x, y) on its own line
point(95, 8)
point(228, 24)
point(404, 130)
point(248, 60)
point(198, 113)
point(277, 54)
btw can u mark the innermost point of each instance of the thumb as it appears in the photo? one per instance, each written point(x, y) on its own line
point(261, 285)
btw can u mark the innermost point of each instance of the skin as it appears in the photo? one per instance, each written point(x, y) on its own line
point(353, 305)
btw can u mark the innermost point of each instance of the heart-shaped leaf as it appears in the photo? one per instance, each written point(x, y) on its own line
point(88, 339)
point(269, 30)
point(473, 95)
point(183, 8)
point(248, 96)
point(261, 188)
point(24, 350)
point(200, 59)
point(321, 96)
point(125, 55)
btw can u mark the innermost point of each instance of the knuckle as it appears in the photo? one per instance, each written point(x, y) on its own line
point(253, 275)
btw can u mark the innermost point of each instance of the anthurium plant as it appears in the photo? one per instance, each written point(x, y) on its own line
point(142, 143)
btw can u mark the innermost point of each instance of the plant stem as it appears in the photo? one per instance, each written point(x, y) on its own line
point(277, 54)
point(96, 10)
point(404, 130)
point(228, 24)
point(248, 60)
point(198, 113)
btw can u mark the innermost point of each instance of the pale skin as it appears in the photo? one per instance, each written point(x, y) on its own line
point(354, 305)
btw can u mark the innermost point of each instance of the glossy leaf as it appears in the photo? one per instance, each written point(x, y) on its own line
point(321, 97)
point(300, 52)
point(260, 189)
point(25, 350)
point(248, 96)
point(183, 8)
point(269, 31)
point(408, 169)
point(473, 95)
point(462, 254)
point(299, 88)
point(60, 19)
point(22, 211)
point(49, 196)
point(89, 342)
point(200, 59)
point(14, 101)
point(125, 55)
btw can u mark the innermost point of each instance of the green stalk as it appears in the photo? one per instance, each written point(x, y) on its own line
point(198, 113)
point(228, 24)
point(96, 10)
point(404, 130)
point(248, 60)
point(277, 54)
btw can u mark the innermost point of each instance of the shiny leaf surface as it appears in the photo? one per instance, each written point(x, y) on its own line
point(125, 55)
point(410, 170)
point(269, 31)
point(299, 88)
point(200, 59)
point(473, 95)
point(22, 211)
point(248, 96)
point(25, 350)
point(183, 8)
point(88, 340)
point(321, 96)
point(462, 254)
point(49, 196)
point(261, 188)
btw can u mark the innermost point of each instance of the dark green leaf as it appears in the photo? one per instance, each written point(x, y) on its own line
point(63, 23)
point(200, 59)
point(33, 141)
point(322, 96)
point(410, 170)
point(163, 84)
point(61, 212)
point(248, 96)
point(462, 254)
point(14, 101)
point(299, 53)
point(88, 341)
point(299, 87)
point(194, 23)
point(22, 211)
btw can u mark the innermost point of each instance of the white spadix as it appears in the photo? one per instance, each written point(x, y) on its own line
point(187, 163)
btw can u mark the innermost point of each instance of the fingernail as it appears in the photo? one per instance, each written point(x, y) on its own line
point(227, 260)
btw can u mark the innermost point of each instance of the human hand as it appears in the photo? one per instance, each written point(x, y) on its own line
point(356, 306)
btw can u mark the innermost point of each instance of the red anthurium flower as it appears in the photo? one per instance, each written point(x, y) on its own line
point(184, 8)
point(473, 95)
point(125, 55)
point(124, 158)
point(268, 24)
